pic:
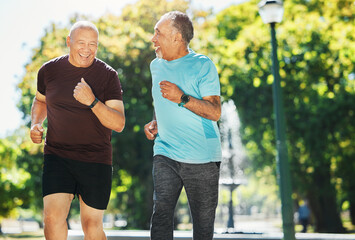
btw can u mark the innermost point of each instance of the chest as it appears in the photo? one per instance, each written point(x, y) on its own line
point(60, 86)
point(186, 78)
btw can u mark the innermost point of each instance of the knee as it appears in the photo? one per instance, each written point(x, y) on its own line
point(91, 227)
point(163, 215)
point(163, 210)
point(54, 217)
point(165, 207)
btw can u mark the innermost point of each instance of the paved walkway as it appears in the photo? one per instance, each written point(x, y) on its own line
point(246, 229)
point(179, 235)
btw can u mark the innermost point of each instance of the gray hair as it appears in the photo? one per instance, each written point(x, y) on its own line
point(182, 23)
point(83, 25)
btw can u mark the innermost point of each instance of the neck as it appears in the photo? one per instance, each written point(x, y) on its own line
point(179, 53)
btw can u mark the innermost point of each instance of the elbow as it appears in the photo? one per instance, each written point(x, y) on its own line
point(215, 119)
point(216, 116)
point(119, 127)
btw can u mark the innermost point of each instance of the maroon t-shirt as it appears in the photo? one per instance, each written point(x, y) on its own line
point(74, 131)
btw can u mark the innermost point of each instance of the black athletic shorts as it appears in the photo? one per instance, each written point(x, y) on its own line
point(92, 181)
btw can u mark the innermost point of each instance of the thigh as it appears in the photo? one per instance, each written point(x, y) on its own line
point(56, 177)
point(90, 217)
point(94, 182)
point(201, 185)
point(167, 188)
point(166, 180)
point(201, 181)
point(56, 206)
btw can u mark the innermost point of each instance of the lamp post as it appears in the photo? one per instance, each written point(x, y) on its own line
point(271, 12)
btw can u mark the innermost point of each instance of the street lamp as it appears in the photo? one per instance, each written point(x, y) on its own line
point(271, 12)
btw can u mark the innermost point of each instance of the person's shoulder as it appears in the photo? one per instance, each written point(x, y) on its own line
point(199, 57)
point(56, 60)
point(200, 60)
point(53, 63)
point(104, 66)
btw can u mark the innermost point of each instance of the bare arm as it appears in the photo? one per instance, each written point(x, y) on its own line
point(110, 113)
point(38, 115)
point(208, 107)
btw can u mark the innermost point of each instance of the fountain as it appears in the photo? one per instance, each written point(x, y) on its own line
point(233, 155)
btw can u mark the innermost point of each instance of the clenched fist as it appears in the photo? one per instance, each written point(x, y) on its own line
point(36, 133)
point(83, 93)
point(151, 130)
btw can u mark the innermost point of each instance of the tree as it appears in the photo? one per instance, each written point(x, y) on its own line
point(12, 179)
point(317, 56)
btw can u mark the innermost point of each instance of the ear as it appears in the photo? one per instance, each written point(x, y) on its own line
point(178, 37)
point(68, 41)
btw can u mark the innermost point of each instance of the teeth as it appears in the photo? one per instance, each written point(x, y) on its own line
point(84, 55)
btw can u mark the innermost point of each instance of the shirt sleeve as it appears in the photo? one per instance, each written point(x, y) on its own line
point(41, 85)
point(113, 89)
point(209, 81)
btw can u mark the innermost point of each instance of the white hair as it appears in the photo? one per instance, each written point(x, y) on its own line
point(81, 25)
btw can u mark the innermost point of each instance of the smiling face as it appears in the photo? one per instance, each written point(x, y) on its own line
point(82, 45)
point(164, 39)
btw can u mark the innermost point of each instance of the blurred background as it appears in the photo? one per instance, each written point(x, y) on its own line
point(316, 50)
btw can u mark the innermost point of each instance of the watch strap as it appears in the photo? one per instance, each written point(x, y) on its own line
point(184, 99)
point(94, 103)
point(181, 104)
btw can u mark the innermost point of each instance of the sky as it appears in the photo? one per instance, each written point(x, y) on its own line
point(23, 23)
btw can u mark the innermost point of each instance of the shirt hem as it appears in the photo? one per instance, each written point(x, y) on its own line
point(189, 160)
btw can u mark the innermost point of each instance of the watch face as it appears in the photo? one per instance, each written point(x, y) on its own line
point(185, 98)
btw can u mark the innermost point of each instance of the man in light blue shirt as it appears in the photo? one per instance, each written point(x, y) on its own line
point(187, 149)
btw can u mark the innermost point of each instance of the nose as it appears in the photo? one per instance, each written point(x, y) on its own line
point(87, 48)
point(153, 38)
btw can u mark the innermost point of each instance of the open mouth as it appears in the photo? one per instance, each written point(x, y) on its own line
point(84, 56)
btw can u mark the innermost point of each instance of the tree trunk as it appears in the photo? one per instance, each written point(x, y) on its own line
point(352, 203)
point(322, 200)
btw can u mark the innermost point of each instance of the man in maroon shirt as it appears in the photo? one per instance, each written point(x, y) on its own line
point(81, 97)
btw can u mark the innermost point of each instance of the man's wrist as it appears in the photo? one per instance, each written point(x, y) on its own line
point(94, 103)
point(183, 100)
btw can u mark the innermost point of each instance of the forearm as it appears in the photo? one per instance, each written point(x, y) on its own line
point(38, 112)
point(209, 109)
point(109, 117)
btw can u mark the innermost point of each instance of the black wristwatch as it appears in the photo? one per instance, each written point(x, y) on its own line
point(93, 103)
point(184, 99)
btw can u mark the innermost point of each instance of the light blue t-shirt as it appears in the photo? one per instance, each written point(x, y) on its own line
point(183, 135)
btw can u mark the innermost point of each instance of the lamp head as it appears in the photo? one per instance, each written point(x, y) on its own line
point(271, 11)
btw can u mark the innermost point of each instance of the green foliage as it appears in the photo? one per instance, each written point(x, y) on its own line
point(15, 176)
point(317, 56)
point(10, 186)
point(316, 45)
